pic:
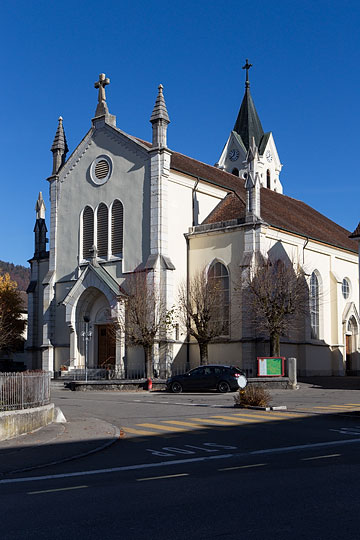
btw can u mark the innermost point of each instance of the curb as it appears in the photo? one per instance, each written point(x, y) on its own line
point(117, 436)
point(256, 408)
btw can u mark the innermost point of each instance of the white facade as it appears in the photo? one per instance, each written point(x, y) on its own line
point(166, 197)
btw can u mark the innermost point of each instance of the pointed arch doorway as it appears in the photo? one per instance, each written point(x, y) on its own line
point(350, 345)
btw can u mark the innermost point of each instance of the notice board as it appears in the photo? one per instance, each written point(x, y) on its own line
point(271, 366)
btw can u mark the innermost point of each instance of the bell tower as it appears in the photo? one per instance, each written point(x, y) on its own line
point(246, 129)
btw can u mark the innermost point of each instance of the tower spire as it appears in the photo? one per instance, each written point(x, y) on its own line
point(40, 228)
point(160, 120)
point(59, 147)
point(248, 123)
point(40, 207)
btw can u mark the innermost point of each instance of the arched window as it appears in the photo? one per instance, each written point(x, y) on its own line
point(220, 276)
point(117, 228)
point(314, 306)
point(268, 179)
point(235, 171)
point(87, 232)
point(102, 230)
point(345, 288)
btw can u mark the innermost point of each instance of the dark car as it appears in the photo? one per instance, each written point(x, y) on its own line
point(213, 377)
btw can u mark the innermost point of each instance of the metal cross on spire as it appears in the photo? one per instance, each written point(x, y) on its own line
point(102, 108)
point(247, 67)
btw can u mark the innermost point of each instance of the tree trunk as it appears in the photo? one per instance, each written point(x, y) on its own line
point(274, 345)
point(203, 354)
point(148, 362)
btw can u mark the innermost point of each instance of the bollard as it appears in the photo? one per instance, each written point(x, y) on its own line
point(292, 372)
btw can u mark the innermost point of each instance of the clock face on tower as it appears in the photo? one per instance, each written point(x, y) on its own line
point(234, 154)
point(268, 156)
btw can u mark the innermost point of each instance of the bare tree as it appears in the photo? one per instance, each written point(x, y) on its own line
point(203, 310)
point(145, 317)
point(276, 297)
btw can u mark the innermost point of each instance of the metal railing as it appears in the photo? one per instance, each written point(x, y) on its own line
point(24, 390)
point(118, 373)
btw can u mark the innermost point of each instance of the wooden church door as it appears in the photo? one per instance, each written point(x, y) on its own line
point(106, 346)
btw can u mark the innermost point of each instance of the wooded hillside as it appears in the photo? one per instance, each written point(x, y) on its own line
point(17, 272)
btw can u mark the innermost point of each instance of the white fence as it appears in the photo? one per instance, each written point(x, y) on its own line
point(24, 390)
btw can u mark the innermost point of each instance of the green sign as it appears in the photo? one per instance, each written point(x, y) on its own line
point(271, 366)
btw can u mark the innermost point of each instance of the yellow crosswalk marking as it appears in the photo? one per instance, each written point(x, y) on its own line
point(164, 428)
point(137, 431)
point(332, 407)
point(239, 419)
point(255, 416)
point(211, 421)
point(180, 423)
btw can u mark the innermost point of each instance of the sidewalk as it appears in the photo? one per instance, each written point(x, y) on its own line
point(314, 392)
point(56, 443)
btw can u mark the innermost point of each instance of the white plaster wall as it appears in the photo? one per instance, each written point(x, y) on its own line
point(180, 193)
point(324, 356)
point(129, 183)
point(227, 248)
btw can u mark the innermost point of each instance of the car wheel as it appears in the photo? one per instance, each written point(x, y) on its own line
point(176, 388)
point(223, 387)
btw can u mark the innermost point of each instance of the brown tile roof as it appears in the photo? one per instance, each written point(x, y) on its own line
point(287, 214)
point(356, 233)
point(277, 210)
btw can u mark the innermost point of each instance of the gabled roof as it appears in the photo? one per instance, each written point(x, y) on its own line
point(287, 214)
point(277, 209)
point(356, 233)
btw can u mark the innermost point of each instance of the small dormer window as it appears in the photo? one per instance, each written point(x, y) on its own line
point(235, 171)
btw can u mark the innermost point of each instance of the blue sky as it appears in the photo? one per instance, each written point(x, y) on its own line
point(304, 81)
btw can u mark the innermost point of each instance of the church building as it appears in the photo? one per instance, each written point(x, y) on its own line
point(119, 204)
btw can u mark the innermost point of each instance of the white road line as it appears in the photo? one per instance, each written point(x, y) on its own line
point(53, 490)
point(320, 457)
point(281, 449)
point(302, 447)
point(115, 469)
point(161, 477)
point(243, 467)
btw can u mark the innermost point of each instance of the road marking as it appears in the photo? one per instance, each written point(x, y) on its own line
point(54, 490)
point(268, 416)
point(116, 469)
point(137, 431)
point(180, 423)
point(243, 467)
point(320, 457)
point(162, 428)
point(211, 421)
point(341, 406)
point(238, 418)
point(161, 477)
point(334, 407)
point(279, 450)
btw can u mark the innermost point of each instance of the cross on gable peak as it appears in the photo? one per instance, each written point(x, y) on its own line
point(102, 107)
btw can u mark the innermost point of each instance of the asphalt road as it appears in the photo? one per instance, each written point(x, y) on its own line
point(194, 467)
